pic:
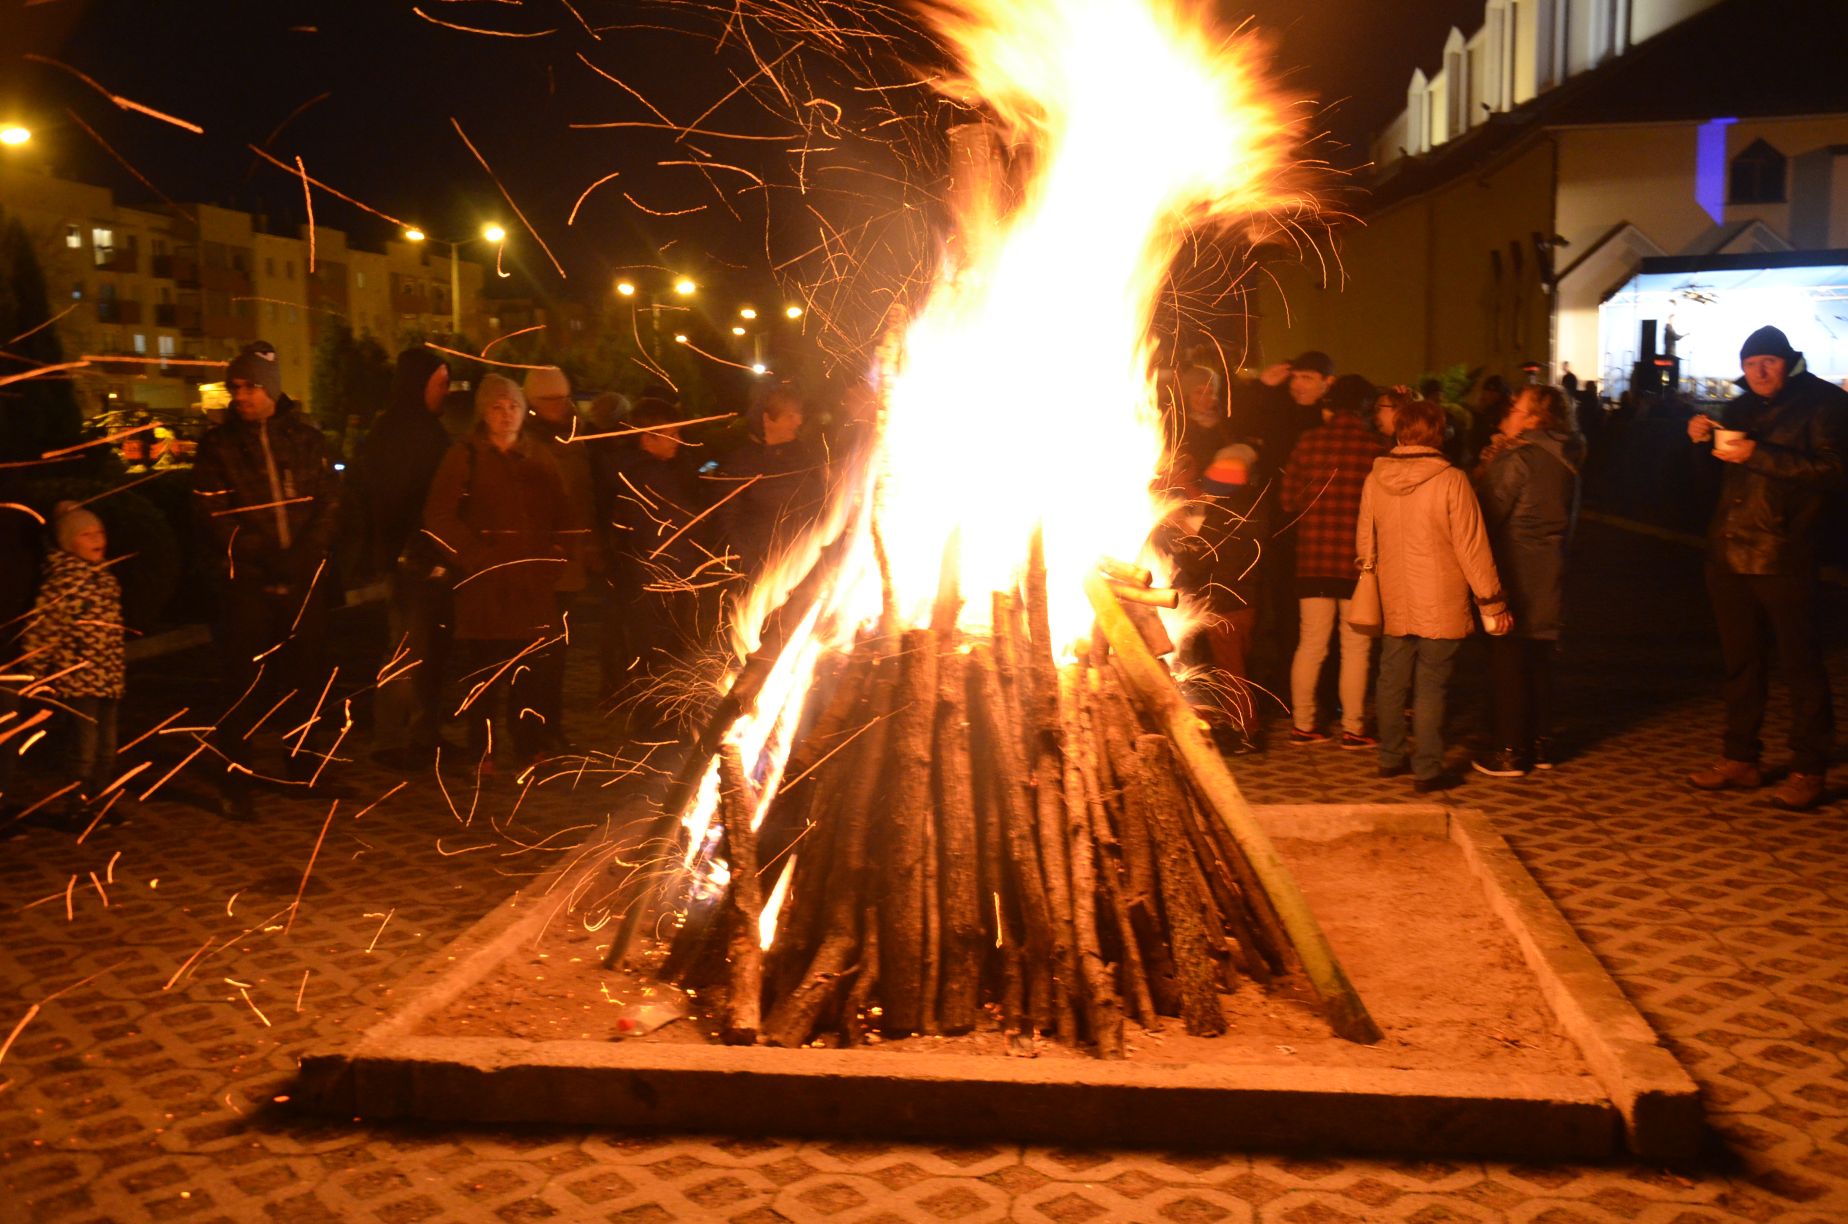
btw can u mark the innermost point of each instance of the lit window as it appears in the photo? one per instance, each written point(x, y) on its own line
point(165, 345)
point(141, 342)
point(73, 238)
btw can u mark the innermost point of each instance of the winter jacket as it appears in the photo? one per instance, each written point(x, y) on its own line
point(267, 498)
point(394, 468)
point(1770, 504)
point(1528, 487)
point(502, 517)
point(786, 484)
point(1321, 484)
point(651, 501)
point(76, 628)
point(1270, 420)
point(572, 460)
point(1217, 545)
point(1420, 528)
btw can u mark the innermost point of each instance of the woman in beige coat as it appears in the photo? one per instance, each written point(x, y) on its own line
point(1421, 530)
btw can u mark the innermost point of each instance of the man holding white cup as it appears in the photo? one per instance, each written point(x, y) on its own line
point(1785, 444)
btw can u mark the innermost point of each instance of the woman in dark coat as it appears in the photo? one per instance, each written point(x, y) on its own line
point(1528, 482)
point(497, 509)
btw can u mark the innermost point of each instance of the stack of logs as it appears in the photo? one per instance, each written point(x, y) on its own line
point(979, 836)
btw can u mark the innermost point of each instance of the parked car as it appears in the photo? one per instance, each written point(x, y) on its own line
point(160, 437)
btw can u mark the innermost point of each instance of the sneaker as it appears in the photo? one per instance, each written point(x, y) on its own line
point(1543, 753)
point(1798, 792)
point(1726, 774)
point(1352, 741)
point(1300, 737)
point(1501, 763)
point(1439, 782)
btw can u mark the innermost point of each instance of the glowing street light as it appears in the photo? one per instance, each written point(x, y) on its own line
point(493, 233)
point(414, 235)
point(13, 134)
point(737, 331)
point(685, 287)
point(625, 288)
point(747, 312)
point(680, 337)
point(792, 312)
point(758, 367)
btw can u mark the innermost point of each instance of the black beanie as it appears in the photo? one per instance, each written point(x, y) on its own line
point(412, 375)
point(256, 363)
point(1770, 342)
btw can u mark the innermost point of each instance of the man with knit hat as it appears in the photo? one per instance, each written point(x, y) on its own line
point(266, 498)
point(1784, 443)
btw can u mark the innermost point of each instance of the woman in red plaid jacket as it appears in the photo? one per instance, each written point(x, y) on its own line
point(1321, 487)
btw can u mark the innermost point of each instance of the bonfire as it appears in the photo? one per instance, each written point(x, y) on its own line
point(950, 783)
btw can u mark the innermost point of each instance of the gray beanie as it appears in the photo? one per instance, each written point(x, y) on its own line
point(256, 363)
point(69, 520)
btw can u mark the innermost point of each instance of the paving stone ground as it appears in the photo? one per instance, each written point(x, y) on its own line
point(159, 980)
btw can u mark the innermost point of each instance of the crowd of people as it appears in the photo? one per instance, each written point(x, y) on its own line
point(1316, 507)
point(1311, 508)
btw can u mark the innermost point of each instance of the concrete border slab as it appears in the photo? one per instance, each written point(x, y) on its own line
point(1640, 1098)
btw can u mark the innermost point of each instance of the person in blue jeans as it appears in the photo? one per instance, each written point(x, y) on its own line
point(1420, 530)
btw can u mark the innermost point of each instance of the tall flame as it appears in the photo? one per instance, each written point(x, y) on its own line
point(1022, 397)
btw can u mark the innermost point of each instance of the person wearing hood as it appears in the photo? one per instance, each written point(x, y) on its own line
point(553, 426)
point(1527, 480)
point(1420, 530)
point(391, 479)
point(1784, 444)
point(1216, 540)
point(267, 501)
point(73, 642)
point(1321, 488)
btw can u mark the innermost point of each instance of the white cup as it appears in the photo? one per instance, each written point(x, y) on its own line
point(1726, 439)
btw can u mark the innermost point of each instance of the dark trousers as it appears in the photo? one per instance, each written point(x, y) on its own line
point(1420, 666)
point(91, 746)
point(1223, 642)
point(658, 632)
point(272, 647)
point(500, 698)
point(1521, 675)
point(548, 692)
point(408, 712)
point(1747, 608)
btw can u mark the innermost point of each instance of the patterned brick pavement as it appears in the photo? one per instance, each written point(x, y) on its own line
point(154, 1086)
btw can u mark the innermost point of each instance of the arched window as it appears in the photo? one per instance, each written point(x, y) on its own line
point(1758, 175)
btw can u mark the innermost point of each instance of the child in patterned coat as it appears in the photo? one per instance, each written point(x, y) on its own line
point(74, 645)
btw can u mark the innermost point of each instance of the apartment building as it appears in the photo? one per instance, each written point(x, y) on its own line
point(158, 298)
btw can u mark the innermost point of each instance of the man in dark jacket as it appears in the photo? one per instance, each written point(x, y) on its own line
point(657, 552)
point(392, 476)
point(266, 498)
point(1783, 443)
point(771, 485)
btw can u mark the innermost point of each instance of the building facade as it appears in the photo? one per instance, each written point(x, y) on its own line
point(1625, 187)
point(157, 300)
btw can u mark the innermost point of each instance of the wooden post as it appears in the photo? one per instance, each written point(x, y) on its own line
point(1155, 691)
point(743, 950)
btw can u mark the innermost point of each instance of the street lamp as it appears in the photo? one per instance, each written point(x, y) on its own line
point(14, 134)
point(747, 312)
point(489, 233)
point(792, 312)
point(625, 288)
point(685, 287)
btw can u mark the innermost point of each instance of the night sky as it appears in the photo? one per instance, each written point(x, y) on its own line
point(364, 91)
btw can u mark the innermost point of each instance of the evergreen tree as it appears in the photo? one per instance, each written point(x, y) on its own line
point(36, 414)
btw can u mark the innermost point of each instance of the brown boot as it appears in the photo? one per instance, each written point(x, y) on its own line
point(1725, 774)
point(1798, 792)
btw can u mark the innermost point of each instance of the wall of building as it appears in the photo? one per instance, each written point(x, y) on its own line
point(1450, 277)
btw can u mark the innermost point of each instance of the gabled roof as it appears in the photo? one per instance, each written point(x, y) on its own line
point(1739, 59)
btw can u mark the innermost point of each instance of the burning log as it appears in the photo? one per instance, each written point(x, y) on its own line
point(744, 948)
point(905, 848)
point(959, 1003)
